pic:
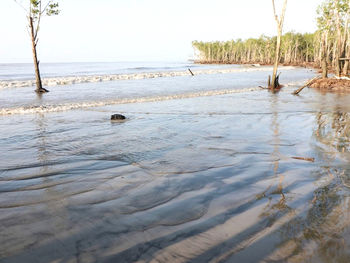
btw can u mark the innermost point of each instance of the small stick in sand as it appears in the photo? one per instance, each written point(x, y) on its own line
point(307, 84)
point(304, 159)
point(191, 72)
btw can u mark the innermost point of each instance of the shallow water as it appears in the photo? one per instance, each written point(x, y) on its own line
point(192, 179)
point(208, 82)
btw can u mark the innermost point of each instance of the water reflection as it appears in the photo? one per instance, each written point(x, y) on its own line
point(313, 227)
point(275, 205)
point(55, 205)
point(256, 205)
point(333, 130)
point(322, 235)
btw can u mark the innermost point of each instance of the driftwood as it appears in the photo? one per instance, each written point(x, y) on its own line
point(304, 159)
point(296, 92)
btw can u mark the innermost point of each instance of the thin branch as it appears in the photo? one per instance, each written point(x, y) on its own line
point(18, 3)
point(274, 11)
point(38, 22)
point(28, 28)
point(45, 8)
point(283, 13)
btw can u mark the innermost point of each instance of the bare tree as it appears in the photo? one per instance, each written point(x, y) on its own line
point(35, 10)
point(324, 45)
point(279, 22)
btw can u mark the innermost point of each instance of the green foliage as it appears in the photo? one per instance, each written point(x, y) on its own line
point(328, 44)
point(38, 8)
point(53, 9)
point(326, 18)
point(296, 48)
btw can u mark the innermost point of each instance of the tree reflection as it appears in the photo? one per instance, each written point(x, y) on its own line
point(317, 231)
point(54, 203)
point(279, 205)
point(333, 130)
point(324, 226)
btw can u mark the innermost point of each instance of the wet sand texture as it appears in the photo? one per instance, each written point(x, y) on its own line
point(199, 179)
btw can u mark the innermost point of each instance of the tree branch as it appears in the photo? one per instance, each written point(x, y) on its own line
point(18, 3)
point(274, 11)
point(38, 22)
point(47, 5)
point(283, 13)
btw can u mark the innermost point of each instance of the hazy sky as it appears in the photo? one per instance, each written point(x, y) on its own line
point(142, 30)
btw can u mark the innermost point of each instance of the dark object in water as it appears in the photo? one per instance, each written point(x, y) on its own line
point(191, 72)
point(42, 90)
point(118, 117)
point(276, 86)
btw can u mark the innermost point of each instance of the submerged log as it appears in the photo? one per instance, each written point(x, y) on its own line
point(304, 158)
point(310, 82)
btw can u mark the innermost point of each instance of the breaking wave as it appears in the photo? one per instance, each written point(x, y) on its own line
point(134, 76)
point(82, 105)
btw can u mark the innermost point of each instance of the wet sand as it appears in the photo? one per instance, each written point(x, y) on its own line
point(201, 179)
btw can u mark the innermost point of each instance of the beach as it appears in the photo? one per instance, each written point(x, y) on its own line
point(206, 168)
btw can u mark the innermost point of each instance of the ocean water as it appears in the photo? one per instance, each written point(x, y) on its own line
point(24, 71)
point(209, 168)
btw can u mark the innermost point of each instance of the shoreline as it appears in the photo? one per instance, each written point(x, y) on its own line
point(330, 84)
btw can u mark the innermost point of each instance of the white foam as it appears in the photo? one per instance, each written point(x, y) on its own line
point(82, 105)
point(101, 78)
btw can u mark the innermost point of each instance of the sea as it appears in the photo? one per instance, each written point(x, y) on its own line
point(209, 167)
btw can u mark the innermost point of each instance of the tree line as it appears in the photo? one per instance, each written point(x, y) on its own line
point(327, 48)
point(296, 48)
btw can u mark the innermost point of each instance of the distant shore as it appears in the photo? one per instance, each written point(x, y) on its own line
point(302, 64)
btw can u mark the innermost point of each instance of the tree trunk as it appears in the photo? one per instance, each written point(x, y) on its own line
point(339, 42)
point(346, 68)
point(39, 86)
point(324, 54)
point(277, 56)
point(324, 67)
point(345, 45)
point(278, 45)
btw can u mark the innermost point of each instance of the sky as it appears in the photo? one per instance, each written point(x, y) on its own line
point(143, 30)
